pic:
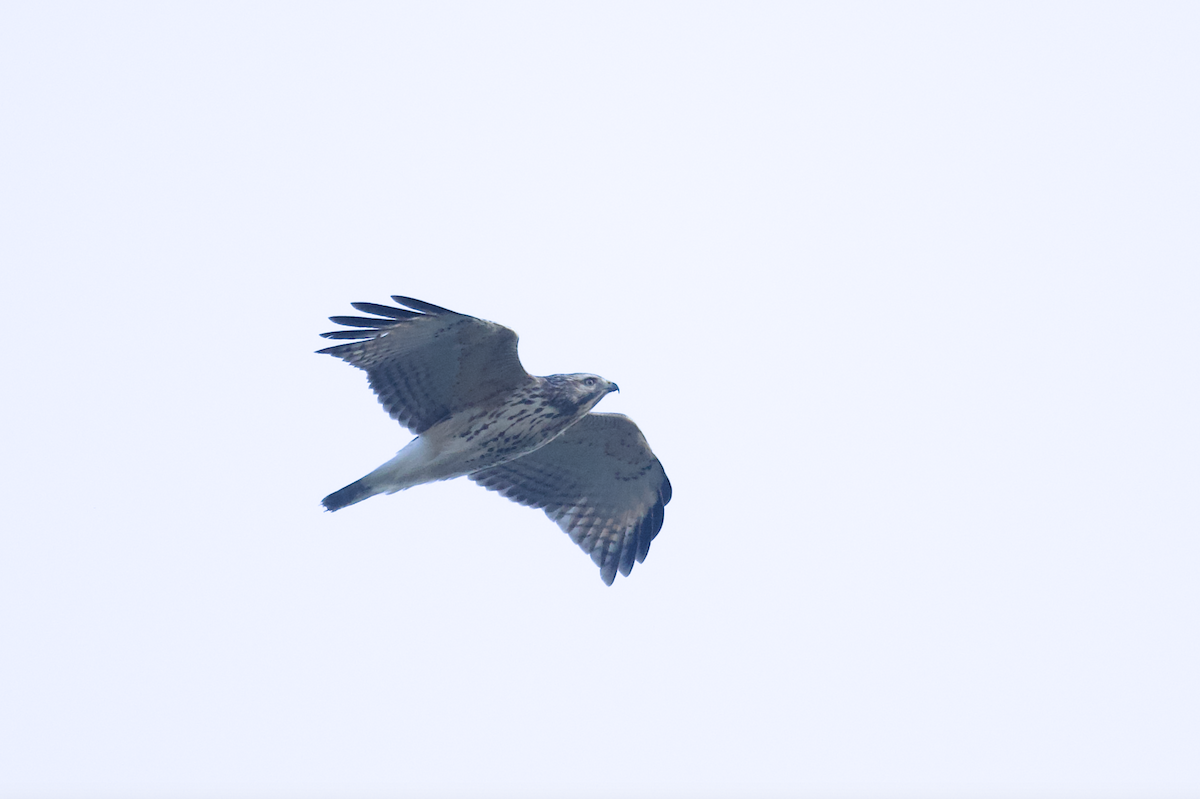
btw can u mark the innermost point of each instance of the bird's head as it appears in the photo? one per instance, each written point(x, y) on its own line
point(581, 390)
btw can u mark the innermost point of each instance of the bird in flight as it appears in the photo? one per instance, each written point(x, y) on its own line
point(457, 383)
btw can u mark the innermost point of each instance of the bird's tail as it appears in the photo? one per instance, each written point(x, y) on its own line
point(355, 492)
point(412, 466)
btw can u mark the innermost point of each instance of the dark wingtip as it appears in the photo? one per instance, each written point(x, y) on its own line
point(423, 307)
point(384, 310)
point(362, 321)
point(349, 334)
point(368, 327)
point(608, 572)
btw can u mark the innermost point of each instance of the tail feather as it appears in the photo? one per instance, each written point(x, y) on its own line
point(355, 492)
point(410, 467)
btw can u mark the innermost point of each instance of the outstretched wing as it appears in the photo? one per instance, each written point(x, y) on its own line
point(426, 364)
point(600, 482)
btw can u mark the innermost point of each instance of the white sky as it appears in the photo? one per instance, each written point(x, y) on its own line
point(906, 299)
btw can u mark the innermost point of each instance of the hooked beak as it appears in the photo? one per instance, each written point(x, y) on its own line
point(613, 387)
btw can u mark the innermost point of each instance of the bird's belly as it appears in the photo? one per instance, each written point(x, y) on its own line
point(478, 439)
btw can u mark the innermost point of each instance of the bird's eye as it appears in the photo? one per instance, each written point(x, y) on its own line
point(589, 382)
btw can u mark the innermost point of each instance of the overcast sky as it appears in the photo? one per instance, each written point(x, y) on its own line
point(905, 297)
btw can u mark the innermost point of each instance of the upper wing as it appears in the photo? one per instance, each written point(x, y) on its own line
point(428, 363)
point(600, 482)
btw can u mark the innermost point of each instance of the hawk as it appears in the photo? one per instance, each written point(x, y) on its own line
point(457, 383)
